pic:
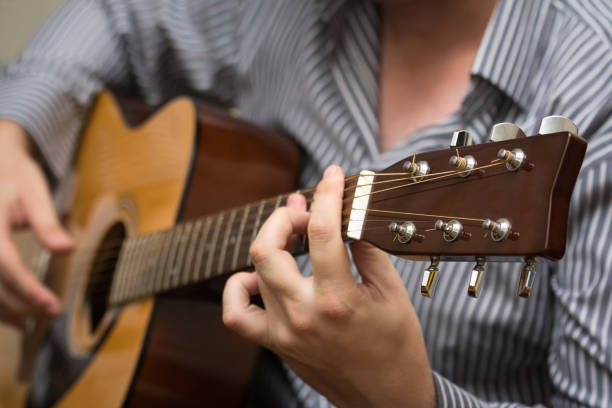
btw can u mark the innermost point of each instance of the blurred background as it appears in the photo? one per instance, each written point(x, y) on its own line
point(19, 21)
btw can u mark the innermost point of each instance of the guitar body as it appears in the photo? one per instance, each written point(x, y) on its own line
point(173, 350)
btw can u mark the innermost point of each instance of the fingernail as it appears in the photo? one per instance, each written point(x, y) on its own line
point(293, 201)
point(330, 171)
point(53, 308)
point(61, 239)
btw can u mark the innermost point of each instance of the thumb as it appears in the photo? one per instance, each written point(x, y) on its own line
point(375, 267)
point(41, 215)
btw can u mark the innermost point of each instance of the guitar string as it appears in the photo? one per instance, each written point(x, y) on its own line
point(345, 221)
point(251, 217)
point(351, 187)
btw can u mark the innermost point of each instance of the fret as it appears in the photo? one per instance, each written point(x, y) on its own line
point(129, 281)
point(279, 200)
point(180, 256)
point(211, 251)
point(200, 251)
point(119, 271)
point(143, 254)
point(245, 213)
point(143, 271)
point(256, 227)
point(130, 254)
point(229, 229)
point(153, 262)
point(170, 244)
point(163, 257)
point(172, 253)
point(193, 240)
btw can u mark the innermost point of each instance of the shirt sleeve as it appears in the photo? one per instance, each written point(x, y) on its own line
point(579, 356)
point(48, 89)
point(157, 48)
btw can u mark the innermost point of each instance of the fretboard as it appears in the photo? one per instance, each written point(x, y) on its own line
point(192, 251)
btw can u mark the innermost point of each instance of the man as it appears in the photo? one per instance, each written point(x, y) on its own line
point(361, 85)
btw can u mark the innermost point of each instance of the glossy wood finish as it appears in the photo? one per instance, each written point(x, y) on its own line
point(535, 201)
point(146, 167)
point(190, 358)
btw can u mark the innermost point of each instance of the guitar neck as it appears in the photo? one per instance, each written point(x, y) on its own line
point(193, 251)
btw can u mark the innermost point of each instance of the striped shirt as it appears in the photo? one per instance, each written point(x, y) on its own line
point(315, 64)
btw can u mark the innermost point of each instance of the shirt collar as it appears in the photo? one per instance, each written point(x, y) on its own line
point(510, 54)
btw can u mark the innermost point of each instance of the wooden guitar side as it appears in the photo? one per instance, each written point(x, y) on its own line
point(181, 163)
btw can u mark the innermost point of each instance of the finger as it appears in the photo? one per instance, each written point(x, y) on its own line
point(41, 215)
point(275, 265)
point(330, 263)
point(239, 314)
point(13, 304)
point(375, 267)
point(295, 201)
point(17, 279)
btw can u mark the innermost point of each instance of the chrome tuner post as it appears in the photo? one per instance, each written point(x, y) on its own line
point(420, 168)
point(476, 277)
point(506, 131)
point(451, 230)
point(527, 277)
point(430, 277)
point(554, 124)
point(465, 164)
point(500, 230)
point(515, 159)
point(461, 138)
point(405, 232)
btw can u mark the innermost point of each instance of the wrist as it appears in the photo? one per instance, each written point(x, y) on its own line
point(14, 139)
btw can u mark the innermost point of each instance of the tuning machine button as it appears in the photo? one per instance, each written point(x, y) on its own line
point(506, 131)
point(476, 277)
point(515, 159)
point(405, 232)
point(556, 123)
point(418, 169)
point(430, 277)
point(464, 164)
point(500, 230)
point(527, 277)
point(461, 138)
point(451, 230)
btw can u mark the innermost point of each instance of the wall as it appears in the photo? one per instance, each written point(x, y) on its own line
point(19, 21)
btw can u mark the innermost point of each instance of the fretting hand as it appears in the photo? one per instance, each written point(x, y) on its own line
point(359, 344)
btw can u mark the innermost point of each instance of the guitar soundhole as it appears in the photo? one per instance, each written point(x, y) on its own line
point(101, 274)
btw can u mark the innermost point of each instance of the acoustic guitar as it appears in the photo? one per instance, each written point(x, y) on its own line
point(163, 210)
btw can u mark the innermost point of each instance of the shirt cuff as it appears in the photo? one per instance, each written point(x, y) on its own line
point(451, 395)
point(47, 112)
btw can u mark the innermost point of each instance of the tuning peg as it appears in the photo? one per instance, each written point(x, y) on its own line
point(500, 229)
point(476, 277)
point(430, 277)
point(465, 164)
point(405, 232)
point(461, 138)
point(420, 168)
point(506, 131)
point(556, 123)
point(527, 277)
point(451, 230)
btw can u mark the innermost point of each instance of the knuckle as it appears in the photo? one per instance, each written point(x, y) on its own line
point(231, 319)
point(300, 322)
point(319, 230)
point(258, 252)
point(334, 308)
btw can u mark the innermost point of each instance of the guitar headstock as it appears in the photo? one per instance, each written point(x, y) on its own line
point(507, 199)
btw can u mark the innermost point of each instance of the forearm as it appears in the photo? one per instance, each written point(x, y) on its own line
point(49, 88)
